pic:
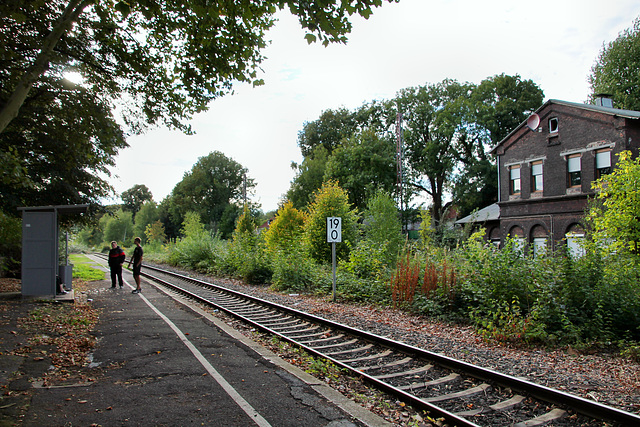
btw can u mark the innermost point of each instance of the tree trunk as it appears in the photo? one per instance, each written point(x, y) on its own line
point(11, 108)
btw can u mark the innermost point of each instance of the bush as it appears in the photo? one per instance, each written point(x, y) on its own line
point(355, 289)
point(366, 261)
point(293, 271)
point(247, 258)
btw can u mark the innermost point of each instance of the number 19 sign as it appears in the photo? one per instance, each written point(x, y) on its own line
point(334, 229)
point(334, 235)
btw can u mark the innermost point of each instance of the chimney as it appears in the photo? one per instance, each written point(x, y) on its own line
point(604, 100)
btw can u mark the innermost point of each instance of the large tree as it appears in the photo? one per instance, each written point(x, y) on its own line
point(135, 197)
point(449, 128)
point(59, 149)
point(320, 138)
point(309, 177)
point(615, 71)
point(213, 189)
point(362, 165)
point(329, 130)
point(496, 107)
point(432, 118)
point(167, 59)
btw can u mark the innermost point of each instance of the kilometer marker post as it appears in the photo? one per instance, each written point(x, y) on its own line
point(334, 235)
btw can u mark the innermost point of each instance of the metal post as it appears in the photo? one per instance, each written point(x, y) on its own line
point(333, 262)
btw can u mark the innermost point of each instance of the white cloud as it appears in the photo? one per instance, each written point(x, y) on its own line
point(405, 44)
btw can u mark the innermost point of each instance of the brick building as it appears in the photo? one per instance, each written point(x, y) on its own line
point(546, 166)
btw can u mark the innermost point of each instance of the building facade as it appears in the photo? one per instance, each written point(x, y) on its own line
point(546, 167)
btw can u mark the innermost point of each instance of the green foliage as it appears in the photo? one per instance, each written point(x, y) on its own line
point(309, 177)
point(168, 59)
point(246, 252)
point(146, 215)
point(328, 131)
point(247, 258)
point(501, 321)
point(502, 102)
point(211, 189)
point(426, 231)
point(118, 227)
point(615, 70)
point(554, 298)
point(363, 164)
point(10, 244)
point(293, 271)
point(192, 226)
point(367, 291)
point(615, 214)
point(448, 129)
point(330, 201)
point(134, 198)
point(91, 234)
point(366, 261)
point(196, 249)
point(63, 160)
point(382, 224)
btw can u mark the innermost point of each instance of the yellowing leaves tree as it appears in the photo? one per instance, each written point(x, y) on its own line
point(330, 201)
point(286, 230)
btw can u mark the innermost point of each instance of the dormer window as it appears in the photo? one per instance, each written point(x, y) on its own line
point(553, 125)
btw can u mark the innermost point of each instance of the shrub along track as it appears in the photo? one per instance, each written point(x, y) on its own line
point(429, 381)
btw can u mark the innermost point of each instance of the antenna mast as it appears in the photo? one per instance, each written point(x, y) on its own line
point(399, 161)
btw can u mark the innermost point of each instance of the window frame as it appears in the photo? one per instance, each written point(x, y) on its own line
point(513, 181)
point(553, 125)
point(535, 188)
point(601, 171)
point(574, 177)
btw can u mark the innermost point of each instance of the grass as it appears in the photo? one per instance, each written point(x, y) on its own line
point(83, 268)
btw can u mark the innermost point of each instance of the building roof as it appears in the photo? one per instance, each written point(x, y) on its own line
point(629, 114)
point(490, 213)
point(67, 209)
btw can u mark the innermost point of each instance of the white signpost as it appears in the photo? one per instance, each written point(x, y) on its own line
point(334, 235)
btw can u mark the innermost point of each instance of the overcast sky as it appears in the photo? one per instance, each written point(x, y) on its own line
point(410, 43)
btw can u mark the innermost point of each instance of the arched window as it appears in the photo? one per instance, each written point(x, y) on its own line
point(494, 236)
point(575, 240)
point(517, 235)
point(539, 240)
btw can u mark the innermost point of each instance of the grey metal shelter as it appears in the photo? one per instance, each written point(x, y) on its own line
point(40, 257)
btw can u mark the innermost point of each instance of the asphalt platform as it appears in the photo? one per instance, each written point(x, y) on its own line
point(160, 362)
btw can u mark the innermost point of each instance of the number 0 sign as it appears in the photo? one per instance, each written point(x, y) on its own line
point(334, 229)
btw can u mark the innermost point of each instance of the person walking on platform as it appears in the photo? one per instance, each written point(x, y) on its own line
point(116, 259)
point(137, 264)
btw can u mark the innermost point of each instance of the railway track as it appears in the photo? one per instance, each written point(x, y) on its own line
point(461, 393)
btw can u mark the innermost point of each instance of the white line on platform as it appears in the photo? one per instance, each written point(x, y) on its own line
point(246, 407)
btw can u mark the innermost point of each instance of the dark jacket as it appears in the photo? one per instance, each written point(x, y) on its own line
point(116, 256)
